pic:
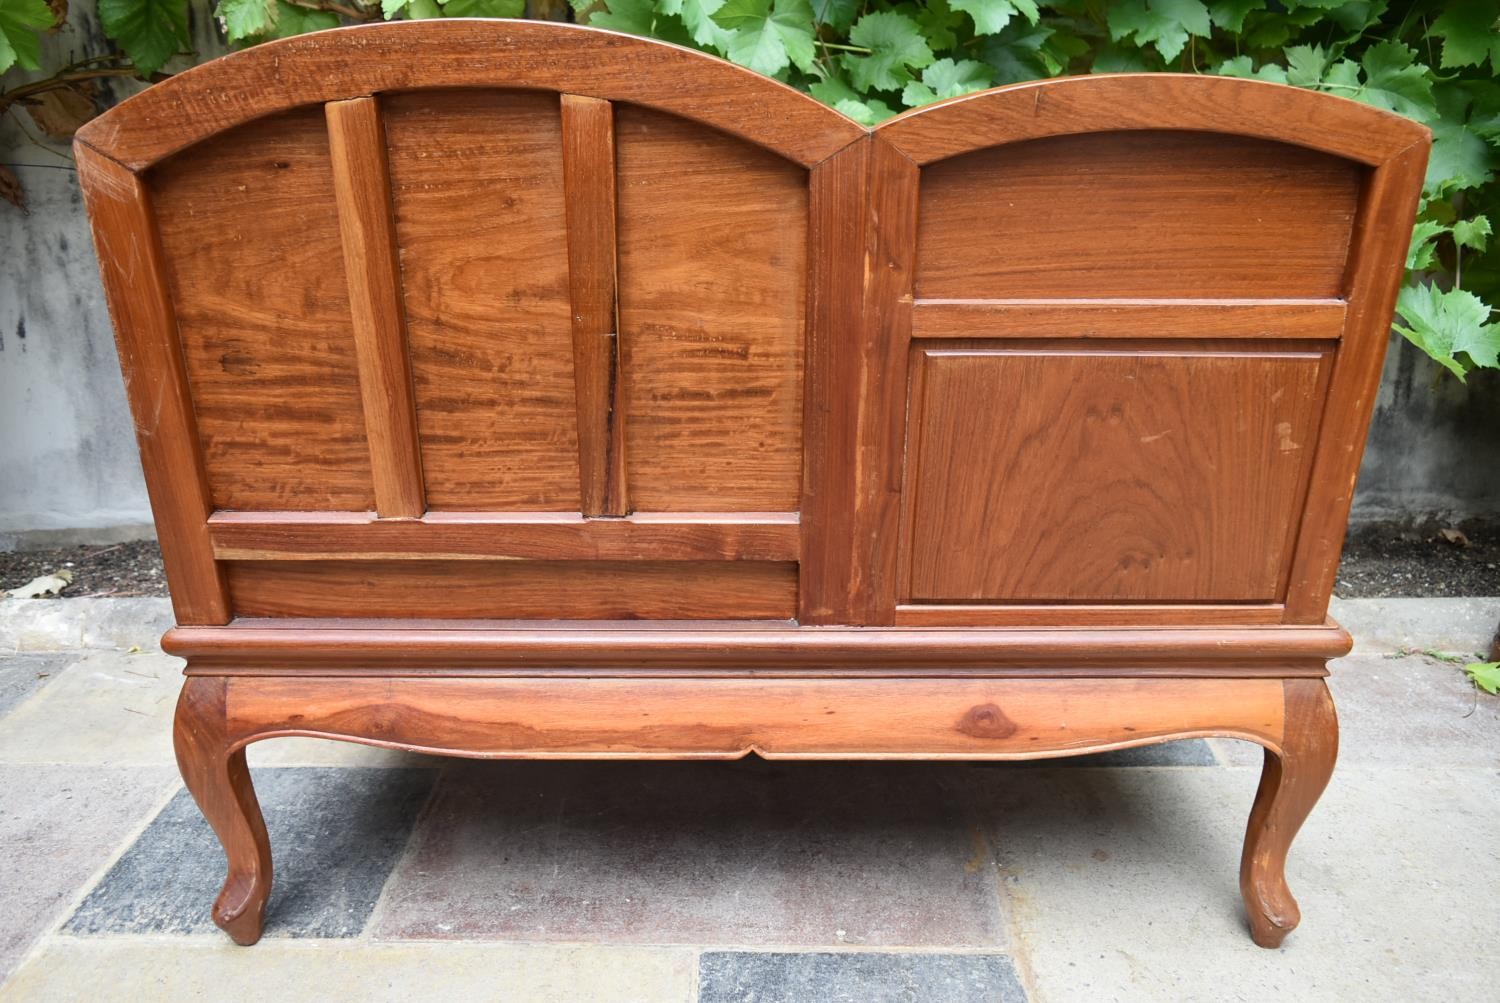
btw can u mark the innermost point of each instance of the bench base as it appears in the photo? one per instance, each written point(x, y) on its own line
point(785, 717)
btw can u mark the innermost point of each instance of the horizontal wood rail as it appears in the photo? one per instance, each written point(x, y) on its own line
point(1184, 651)
point(1320, 319)
point(1036, 614)
point(538, 536)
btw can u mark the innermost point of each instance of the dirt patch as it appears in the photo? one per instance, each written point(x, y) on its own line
point(120, 569)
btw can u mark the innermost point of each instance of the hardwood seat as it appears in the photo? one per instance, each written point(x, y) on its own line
point(518, 389)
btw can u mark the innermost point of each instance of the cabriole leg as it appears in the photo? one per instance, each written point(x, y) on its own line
point(1290, 785)
point(219, 781)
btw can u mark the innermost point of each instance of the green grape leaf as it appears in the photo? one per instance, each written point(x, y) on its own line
point(990, 16)
point(246, 19)
point(835, 13)
point(293, 20)
point(938, 22)
point(1459, 158)
point(832, 90)
point(1165, 24)
point(1448, 323)
point(867, 112)
point(1469, 32)
point(698, 17)
point(20, 20)
point(634, 17)
point(1396, 82)
point(946, 79)
point(1305, 65)
point(1473, 233)
point(483, 8)
point(767, 34)
point(390, 8)
point(1016, 53)
point(896, 46)
point(1423, 250)
point(150, 31)
point(1486, 675)
point(422, 10)
point(1230, 14)
point(1244, 67)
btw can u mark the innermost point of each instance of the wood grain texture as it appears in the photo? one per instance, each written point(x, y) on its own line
point(1294, 776)
point(356, 141)
point(254, 255)
point(1084, 614)
point(1377, 267)
point(140, 306)
point(544, 536)
point(615, 590)
point(293, 645)
point(381, 58)
point(1137, 101)
point(589, 188)
point(1128, 318)
point(774, 718)
point(215, 773)
point(712, 262)
point(478, 182)
point(1136, 214)
point(1128, 475)
point(864, 231)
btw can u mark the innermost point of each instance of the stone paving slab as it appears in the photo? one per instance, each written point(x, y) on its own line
point(64, 624)
point(695, 853)
point(1455, 625)
point(335, 836)
point(1124, 886)
point(23, 675)
point(59, 825)
point(151, 970)
point(849, 977)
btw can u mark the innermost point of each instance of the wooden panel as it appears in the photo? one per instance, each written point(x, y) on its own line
point(134, 276)
point(589, 177)
point(255, 261)
point(786, 718)
point(1380, 243)
point(1154, 214)
point(357, 145)
point(712, 257)
point(1117, 318)
point(1088, 615)
point(520, 589)
point(771, 536)
point(1069, 475)
point(478, 185)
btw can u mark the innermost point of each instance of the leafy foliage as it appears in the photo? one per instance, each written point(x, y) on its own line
point(1437, 61)
point(1486, 675)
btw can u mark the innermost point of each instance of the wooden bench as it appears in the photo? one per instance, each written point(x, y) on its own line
point(508, 389)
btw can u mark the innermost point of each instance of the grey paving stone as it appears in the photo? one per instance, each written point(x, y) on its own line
point(846, 977)
point(58, 826)
point(747, 853)
point(23, 675)
point(335, 836)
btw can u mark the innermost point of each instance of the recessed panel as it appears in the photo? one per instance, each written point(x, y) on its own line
point(712, 260)
point(255, 263)
point(1098, 476)
point(1136, 214)
point(476, 178)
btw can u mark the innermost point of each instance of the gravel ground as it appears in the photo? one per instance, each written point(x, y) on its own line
point(1380, 560)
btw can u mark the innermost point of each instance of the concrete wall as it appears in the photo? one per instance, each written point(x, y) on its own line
point(68, 459)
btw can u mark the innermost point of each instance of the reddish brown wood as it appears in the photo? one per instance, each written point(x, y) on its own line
point(589, 187)
point(1024, 424)
point(356, 141)
point(140, 305)
point(1295, 773)
point(214, 771)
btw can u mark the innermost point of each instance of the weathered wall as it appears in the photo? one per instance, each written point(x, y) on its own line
point(67, 455)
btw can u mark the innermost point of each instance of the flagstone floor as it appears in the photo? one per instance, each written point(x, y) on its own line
point(402, 877)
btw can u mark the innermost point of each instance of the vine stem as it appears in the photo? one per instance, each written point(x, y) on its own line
point(62, 78)
point(848, 48)
point(334, 8)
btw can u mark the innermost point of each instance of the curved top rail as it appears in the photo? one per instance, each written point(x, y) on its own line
point(462, 52)
point(1110, 102)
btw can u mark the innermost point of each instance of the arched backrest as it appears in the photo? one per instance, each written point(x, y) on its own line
point(1142, 319)
point(512, 320)
point(467, 289)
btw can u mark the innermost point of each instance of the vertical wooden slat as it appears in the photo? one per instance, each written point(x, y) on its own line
point(361, 184)
point(140, 305)
point(589, 183)
point(862, 242)
point(1376, 266)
